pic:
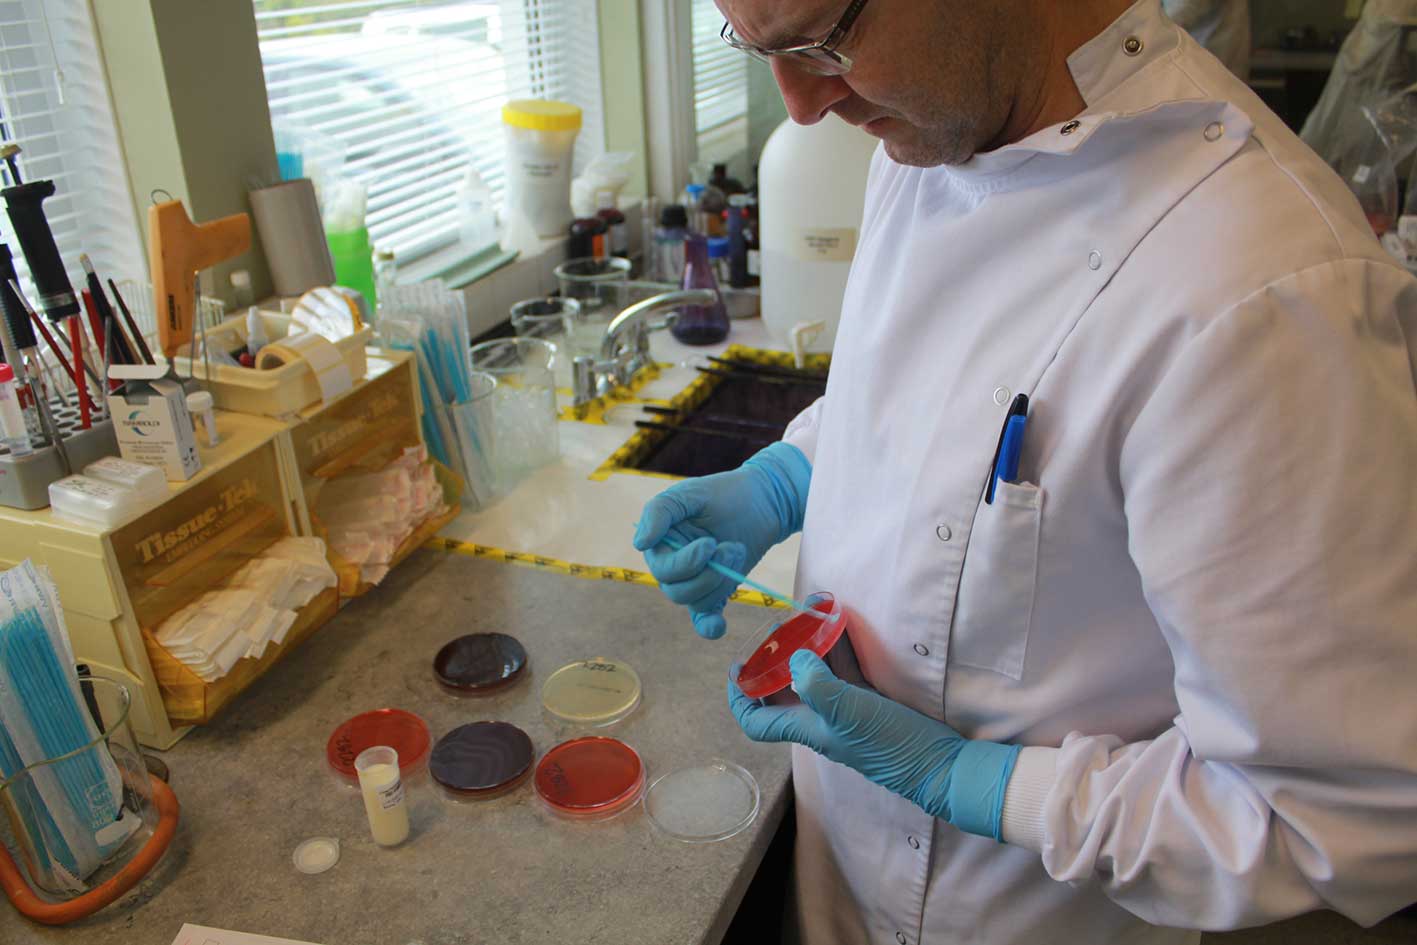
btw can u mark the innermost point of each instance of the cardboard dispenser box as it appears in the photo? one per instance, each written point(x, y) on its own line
point(363, 432)
point(118, 586)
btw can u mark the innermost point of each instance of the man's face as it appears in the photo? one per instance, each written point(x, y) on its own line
point(930, 78)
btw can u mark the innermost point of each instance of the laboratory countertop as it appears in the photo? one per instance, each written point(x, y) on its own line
point(254, 784)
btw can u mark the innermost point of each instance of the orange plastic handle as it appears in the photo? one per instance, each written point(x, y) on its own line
point(62, 913)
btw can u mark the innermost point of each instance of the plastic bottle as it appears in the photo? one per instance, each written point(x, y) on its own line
point(588, 238)
point(812, 192)
point(384, 800)
point(669, 243)
point(700, 324)
point(618, 237)
point(477, 219)
point(738, 241)
point(14, 436)
point(693, 206)
point(719, 248)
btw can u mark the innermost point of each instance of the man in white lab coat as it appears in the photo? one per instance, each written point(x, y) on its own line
point(1221, 26)
point(1139, 661)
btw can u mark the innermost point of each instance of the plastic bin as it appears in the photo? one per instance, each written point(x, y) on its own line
point(278, 392)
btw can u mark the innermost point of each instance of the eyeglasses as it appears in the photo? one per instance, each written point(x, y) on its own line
point(820, 57)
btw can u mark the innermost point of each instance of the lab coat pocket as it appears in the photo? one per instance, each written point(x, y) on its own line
point(995, 605)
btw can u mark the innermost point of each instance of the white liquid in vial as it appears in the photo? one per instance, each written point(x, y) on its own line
point(385, 803)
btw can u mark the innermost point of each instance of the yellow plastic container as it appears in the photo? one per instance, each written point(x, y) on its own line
point(275, 392)
point(118, 583)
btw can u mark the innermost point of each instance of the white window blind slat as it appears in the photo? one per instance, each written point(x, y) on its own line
point(412, 91)
point(720, 87)
point(73, 142)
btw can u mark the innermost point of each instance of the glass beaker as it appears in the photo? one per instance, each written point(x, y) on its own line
point(524, 413)
point(80, 817)
point(552, 319)
point(597, 285)
point(473, 426)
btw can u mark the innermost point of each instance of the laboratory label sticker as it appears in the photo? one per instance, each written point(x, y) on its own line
point(825, 244)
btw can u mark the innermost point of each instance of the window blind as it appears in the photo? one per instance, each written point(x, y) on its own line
point(412, 92)
point(720, 88)
point(54, 104)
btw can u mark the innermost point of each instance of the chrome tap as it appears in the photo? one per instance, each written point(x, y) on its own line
point(624, 348)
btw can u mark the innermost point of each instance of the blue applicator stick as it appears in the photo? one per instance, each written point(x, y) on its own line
point(733, 575)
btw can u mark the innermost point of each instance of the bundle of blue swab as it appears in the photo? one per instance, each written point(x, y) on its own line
point(74, 805)
point(431, 321)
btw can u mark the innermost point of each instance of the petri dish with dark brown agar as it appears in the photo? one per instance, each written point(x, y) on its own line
point(480, 664)
point(402, 731)
point(595, 692)
point(481, 760)
point(590, 779)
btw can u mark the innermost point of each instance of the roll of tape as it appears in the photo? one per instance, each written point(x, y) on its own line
point(323, 358)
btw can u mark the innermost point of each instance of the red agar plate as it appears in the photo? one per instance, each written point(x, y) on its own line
point(765, 656)
point(591, 778)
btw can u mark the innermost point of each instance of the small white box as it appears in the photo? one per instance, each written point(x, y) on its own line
point(152, 423)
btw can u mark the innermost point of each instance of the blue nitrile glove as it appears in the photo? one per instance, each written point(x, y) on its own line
point(921, 759)
point(733, 518)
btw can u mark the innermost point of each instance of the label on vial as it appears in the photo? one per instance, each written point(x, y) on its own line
point(391, 794)
point(1361, 175)
point(825, 244)
point(755, 262)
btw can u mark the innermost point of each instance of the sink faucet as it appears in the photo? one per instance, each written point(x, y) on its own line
point(624, 348)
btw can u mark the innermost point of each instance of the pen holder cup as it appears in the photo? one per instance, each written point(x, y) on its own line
point(89, 823)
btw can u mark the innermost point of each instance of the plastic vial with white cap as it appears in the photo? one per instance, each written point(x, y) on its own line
point(200, 404)
point(384, 799)
point(13, 434)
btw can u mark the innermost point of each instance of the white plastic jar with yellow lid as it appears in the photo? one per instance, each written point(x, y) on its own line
point(541, 141)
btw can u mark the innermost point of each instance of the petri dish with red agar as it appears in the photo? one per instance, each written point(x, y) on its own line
point(480, 664)
point(402, 731)
point(481, 760)
point(594, 692)
point(590, 779)
point(764, 658)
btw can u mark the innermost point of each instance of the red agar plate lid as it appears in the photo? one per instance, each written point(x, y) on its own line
point(402, 731)
point(765, 657)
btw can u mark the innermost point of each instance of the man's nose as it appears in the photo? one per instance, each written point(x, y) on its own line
point(808, 96)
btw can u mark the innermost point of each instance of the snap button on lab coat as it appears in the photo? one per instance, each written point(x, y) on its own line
point(943, 532)
point(1214, 131)
point(922, 649)
point(900, 937)
point(914, 844)
point(1070, 127)
point(1133, 46)
point(1094, 260)
point(1001, 395)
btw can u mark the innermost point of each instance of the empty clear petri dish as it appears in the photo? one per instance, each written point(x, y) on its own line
point(481, 760)
point(764, 657)
point(590, 779)
point(703, 803)
point(594, 692)
point(480, 664)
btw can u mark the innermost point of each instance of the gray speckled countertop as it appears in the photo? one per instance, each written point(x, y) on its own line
point(255, 784)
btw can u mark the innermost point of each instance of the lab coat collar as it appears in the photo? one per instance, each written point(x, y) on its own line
point(1139, 37)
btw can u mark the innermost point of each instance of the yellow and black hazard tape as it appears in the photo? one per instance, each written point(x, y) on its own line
point(626, 459)
point(589, 572)
point(595, 410)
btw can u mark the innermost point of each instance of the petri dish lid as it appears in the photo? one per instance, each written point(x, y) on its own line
point(590, 778)
point(480, 663)
point(592, 692)
point(481, 759)
point(402, 731)
point(764, 658)
point(703, 803)
point(316, 855)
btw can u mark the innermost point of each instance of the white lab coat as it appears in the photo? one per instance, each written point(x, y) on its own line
point(1221, 26)
point(1198, 606)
